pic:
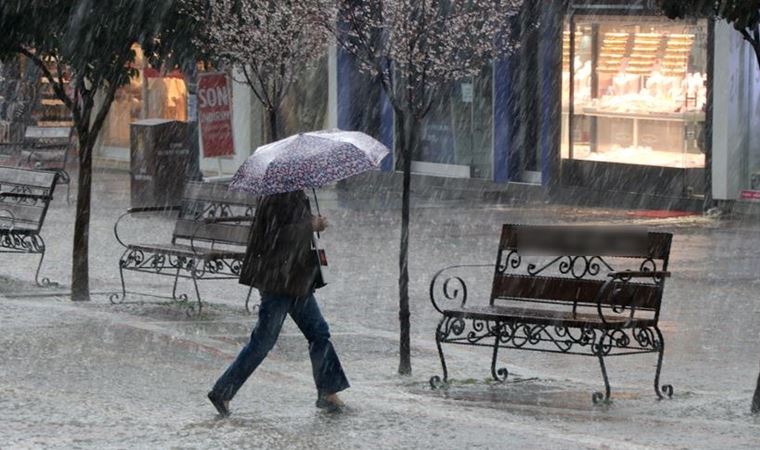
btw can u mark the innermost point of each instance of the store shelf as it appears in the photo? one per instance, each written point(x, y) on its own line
point(55, 123)
point(52, 102)
point(693, 116)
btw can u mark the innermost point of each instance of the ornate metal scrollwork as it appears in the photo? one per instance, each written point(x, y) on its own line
point(215, 210)
point(437, 383)
point(135, 259)
point(508, 260)
point(646, 338)
point(577, 266)
point(648, 265)
point(446, 287)
point(560, 339)
point(16, 241)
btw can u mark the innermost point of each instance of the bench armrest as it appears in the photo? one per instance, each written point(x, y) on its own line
point(228, 219)
point(611, 288)
point(145, 209)
point(446, 286)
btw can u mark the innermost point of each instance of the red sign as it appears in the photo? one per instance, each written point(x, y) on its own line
point(750, 195)
point(215, 114)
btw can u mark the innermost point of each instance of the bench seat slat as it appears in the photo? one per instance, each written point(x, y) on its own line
point(19, 228)
point(23, 213)
point(510, 286)
point(186, 250)
point(23, 177)
point(546, 317)
point(217, 193)
point(219, 232)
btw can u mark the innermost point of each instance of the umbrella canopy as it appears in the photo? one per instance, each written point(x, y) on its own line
point(308, 160)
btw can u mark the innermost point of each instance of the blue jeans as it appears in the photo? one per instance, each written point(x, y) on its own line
point(328, 373)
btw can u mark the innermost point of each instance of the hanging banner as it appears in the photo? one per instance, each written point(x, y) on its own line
point(215, 114)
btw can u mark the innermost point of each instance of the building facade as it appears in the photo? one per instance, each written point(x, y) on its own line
point(604, 102)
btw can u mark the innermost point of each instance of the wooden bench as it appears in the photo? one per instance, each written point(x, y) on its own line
point(45, 148)
point(571, 290)
point(25, 196)
point(208, 242)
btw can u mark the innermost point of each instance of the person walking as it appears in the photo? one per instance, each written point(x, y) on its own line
point(282, 264)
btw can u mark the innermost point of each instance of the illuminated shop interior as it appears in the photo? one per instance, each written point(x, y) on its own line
point(634, 91)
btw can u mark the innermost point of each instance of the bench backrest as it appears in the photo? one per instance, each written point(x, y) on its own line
point(48, 134)
point(558, 265)
point(208, 200)
point(27, 213)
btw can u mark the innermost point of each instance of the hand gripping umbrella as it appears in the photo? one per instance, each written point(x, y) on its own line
point(308, 161)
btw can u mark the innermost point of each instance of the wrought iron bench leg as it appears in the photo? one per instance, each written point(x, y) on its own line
point(175, 297)
point(44, 282)
point(502, 373)
point(666, 390)
point(598, 350)
point(435, 380)
point(197, 291)
point(599, 397)
point(115, 297)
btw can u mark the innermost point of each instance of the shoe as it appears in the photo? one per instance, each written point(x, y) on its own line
point(330, 403)
point(221, 406)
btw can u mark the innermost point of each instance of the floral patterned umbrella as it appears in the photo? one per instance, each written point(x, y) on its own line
point(308, 160)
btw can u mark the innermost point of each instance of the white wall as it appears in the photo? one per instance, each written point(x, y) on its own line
point(754, 114)
point(736, 117)
point(247, 117)
point(332, 95)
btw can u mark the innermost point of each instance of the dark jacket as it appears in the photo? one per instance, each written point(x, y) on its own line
point(279, 258)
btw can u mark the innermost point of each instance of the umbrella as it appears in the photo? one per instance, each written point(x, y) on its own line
point(308, 160)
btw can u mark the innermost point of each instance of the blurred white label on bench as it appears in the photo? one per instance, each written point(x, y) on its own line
point(47, 132)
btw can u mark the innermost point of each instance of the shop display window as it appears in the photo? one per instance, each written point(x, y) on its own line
point(304, 107)
point(457, 130)
point(149, 95)
point(634, 91)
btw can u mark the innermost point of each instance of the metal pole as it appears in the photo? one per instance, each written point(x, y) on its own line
point(316, 203)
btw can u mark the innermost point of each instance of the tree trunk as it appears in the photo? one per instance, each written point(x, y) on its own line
point(756, 398)
point(271, 125)
point(194, 167)
point(80, 271)
point(407, 132)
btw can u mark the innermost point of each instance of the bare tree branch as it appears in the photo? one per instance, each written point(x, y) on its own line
point(58, 88)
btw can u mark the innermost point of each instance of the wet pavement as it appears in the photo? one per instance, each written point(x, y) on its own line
point(94, 375)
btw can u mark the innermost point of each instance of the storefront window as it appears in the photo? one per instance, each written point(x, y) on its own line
point(456, 132)
point(149, 95)
point(634, 91)
point(305, 106)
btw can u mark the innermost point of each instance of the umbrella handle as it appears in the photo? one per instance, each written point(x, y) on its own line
point(316, 203)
